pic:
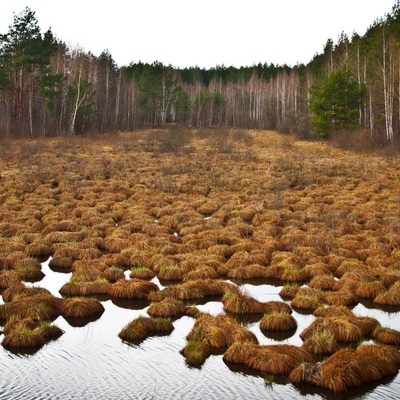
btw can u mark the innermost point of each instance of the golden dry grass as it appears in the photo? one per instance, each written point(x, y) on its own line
point(386, 336)
point(211, 334)
point(268, 359)
point(237, 302)
point(167, 308)
point(304, 213)
point(349, 368)
point(307, 299)
point(19, 291)
point(23, 334)
point(79, 307)
point(42, 307)
point(278, 321)
point(132, 289)
point(142, 327)
point(343, 329)
point(93, 288)
point(142, 273)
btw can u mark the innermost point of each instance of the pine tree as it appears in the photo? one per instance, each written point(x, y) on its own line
point(25, 68)
point(334, 103)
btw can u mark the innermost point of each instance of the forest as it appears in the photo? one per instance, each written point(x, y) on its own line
point(50, 89)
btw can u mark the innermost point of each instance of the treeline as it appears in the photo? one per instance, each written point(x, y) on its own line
point(47, 88)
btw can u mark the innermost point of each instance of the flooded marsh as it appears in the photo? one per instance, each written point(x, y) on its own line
point(209, 256)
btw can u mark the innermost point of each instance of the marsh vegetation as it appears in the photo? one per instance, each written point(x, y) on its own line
point(161, 231)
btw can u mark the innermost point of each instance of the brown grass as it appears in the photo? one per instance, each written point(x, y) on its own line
point(369, 290)
point(289, 291)
point(29, 268)
point(197, 289)
point(171, 272)
point(113, 244)
point(132, 289)
point(206, 272)
point(322, 282)
point(280, 208)
point(386, 335)
point(333, 311)
point(23, 337)
point(388, 298)
point(167, 308)
point(19, 291)
point(342, 328)
point(141, 328)
point(366, 324)
point(142, 273)
point(268, 359)
point(237, 302)
point(14, 321)
point(38, 249)
point(341, 297)
point(73, 289)
point(349, 368)
point(210, 334)
point(220, 331)
point(79, 307)
point(252, 271)
point(307, 299)
point(321, 342)
point(196, 352)
point(113, 274)
point(61, 263)
point(278, 321)
point(41, 307)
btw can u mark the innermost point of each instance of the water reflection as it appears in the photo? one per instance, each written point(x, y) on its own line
point(52, 280)
point(91, 362)
point(386, 319)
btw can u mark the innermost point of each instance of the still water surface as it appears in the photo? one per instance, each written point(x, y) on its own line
point(91, 362)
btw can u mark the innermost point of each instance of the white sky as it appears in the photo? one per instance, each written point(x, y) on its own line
point(205, 33)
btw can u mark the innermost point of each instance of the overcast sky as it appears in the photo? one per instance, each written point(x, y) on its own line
point(205, 33)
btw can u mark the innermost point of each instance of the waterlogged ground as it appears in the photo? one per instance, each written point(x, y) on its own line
point(187, 205)
point(91, 362)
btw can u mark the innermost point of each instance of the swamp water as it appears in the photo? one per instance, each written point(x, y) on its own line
point(92, 362)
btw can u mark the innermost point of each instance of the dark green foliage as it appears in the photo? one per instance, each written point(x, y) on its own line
point(25, 66)
point(334, 103)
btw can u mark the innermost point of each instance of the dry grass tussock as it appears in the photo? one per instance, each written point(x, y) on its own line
point(210, 334)
point(142, 327)
point(132, 289)
point(43, 307)
point(235, 301)
point(195, 209)
point(78, 307)
point(268, 359)
point(26, 333)
point(349, 368)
